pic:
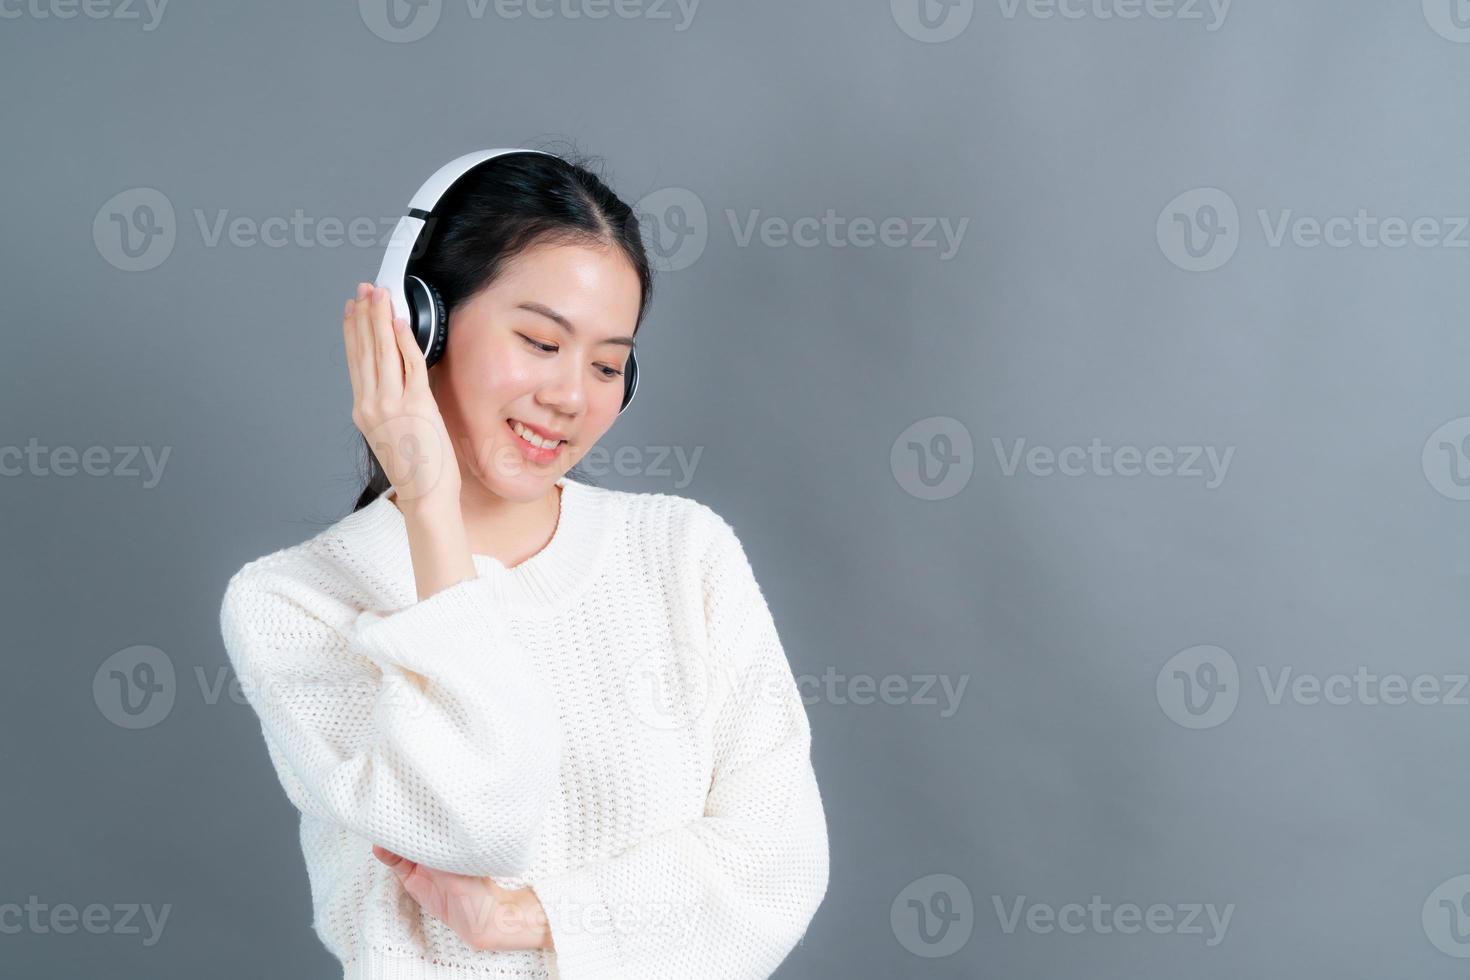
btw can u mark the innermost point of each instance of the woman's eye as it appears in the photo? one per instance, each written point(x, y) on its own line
point(605, 370)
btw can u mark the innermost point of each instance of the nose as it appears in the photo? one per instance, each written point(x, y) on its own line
point(564, 390)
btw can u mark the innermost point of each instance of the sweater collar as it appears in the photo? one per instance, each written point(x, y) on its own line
point(542, 583)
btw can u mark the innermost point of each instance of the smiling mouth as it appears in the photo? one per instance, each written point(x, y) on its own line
point(541, 445)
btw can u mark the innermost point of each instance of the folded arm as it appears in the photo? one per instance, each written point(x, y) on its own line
point(426, 730)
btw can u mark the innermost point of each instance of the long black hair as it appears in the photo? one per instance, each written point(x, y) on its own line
point(500, 209)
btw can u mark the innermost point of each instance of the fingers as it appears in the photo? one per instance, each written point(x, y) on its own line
point(367, 355)
point(390, 361)
point(382, 354)
point(415, 372)
point(349, 343)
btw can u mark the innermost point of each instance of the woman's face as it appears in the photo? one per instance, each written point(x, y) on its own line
point(545, 345)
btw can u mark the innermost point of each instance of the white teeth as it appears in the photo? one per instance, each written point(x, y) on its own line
point(533, 438)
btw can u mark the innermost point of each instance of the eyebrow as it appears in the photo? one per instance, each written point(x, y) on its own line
point(566, 324)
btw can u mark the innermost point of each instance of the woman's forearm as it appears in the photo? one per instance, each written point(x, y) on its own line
point(439, 546)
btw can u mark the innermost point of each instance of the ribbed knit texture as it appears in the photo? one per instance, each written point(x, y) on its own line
point(613, 722)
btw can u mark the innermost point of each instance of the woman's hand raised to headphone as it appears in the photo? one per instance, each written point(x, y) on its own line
point(392, 404)
point(396, 411)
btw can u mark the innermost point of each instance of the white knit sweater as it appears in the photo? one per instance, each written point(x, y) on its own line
point(613, 721)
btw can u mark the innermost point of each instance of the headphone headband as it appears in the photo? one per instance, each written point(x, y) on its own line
point(406, 234)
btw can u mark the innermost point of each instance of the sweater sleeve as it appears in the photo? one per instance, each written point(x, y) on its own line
point(730, 893)
point(425, 730)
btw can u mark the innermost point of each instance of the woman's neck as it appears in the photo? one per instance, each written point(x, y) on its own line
point(506, 530)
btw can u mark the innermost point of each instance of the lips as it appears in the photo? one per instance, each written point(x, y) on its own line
point(539, 455)
point(543, 433)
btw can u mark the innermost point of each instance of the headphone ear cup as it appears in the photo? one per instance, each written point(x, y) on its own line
point(441, 329)
point(630, 381)
point(430, 321)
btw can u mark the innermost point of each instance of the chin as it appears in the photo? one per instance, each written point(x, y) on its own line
point(506, 472)
point(521, 491)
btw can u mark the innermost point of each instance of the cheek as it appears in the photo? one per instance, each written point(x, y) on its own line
point(602, 413)
point(490, 379)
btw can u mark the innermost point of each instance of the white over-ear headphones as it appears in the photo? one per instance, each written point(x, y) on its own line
point(419, 302)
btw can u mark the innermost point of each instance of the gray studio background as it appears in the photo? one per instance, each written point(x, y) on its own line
point(1217, 703)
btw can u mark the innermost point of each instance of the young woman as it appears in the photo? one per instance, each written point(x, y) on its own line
point(534, 727)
